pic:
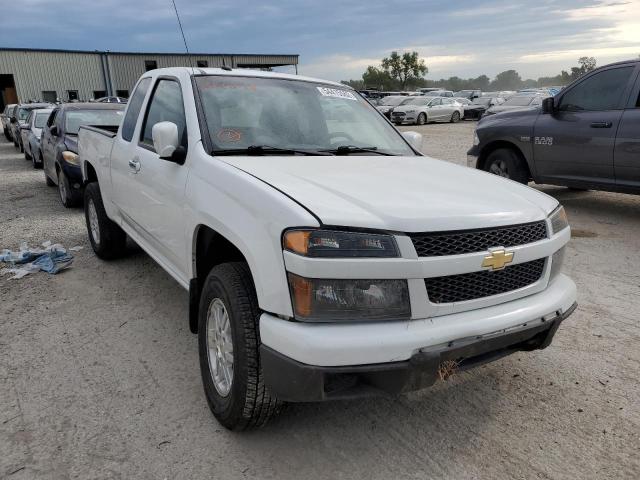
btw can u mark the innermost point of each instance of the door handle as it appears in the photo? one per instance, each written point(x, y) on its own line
point(601, 125)
point(134, 164)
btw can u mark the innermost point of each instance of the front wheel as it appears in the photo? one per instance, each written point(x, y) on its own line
point(68, 196)
point(506, 163)
point(455, 117)
point(229, 348)
point(422, 119)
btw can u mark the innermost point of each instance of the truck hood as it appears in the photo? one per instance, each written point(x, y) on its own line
point(408, 194)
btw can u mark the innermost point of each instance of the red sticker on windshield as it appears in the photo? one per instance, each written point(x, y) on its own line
point(228, 135)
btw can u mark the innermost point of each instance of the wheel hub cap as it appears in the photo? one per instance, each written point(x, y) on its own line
point(93, 222)
point(220, 347)
point(499, 168)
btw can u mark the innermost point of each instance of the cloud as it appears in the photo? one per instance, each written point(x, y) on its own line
point(338, 40)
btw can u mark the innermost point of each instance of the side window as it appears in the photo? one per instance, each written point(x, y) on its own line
point(165, 106)
point(436, 102)
point(135, 104)
point(602, 91)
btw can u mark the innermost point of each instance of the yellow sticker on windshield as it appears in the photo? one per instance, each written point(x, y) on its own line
point(336, 93)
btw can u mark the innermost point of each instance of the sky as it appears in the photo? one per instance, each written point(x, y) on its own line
point(338, 40)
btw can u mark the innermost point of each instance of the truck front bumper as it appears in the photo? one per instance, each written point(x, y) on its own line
point(312, 362)
point(293, 381)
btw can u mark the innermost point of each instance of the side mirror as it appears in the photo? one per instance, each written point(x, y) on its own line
point(54, 130)
point(414, 139)
point(166, 143)
point(548, 105)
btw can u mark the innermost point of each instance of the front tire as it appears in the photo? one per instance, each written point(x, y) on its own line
point(229, 349)
point(455, 117)
point(422, 119)
point(506, 163)
point(68, 197)
point(107, 239)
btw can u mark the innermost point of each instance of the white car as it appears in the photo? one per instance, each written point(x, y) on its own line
point(324, 256)
point(422, 110)
point(31, 133)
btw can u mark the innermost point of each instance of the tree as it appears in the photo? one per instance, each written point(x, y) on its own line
point(374, 77)
point(587, 64)
point(507, 80)
point(406, 68)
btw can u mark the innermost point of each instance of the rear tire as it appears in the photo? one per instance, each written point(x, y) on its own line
point(237, 397)
point(48, 181)
point(455, 117)
point(107, 239)
point(506, 163)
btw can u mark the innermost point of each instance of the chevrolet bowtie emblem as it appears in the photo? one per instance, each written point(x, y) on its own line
point(498, 259)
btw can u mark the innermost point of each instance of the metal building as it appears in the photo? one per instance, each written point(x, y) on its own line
point(66, 75)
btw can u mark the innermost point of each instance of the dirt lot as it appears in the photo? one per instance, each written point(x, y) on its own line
point(99, 373)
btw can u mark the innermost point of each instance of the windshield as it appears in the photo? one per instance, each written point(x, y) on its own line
point(481, 101)
point(519, 101)
point(243, 112)
point(77, 118)
point(41, 119)
point(392, 101)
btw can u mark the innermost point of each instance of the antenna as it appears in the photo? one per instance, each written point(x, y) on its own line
point(186, 47)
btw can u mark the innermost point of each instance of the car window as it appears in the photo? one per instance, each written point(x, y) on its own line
point(74, 119)
point(601, 91)
point(41, 119)
point(166, 105)
point(435, 102)
point(131, 117)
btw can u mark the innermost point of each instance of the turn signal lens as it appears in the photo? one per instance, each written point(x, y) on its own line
point(339, 244)
point(559, 220)
point(327, 300)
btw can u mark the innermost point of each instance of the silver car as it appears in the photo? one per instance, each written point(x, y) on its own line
point(31, 133)
point(421, 110)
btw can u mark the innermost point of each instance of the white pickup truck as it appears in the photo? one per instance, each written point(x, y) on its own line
point(325, 257)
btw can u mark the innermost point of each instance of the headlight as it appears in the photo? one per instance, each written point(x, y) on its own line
point(70, 157)
point(556, 263)
point(329, 243)
point(319, 300)
point(476, 139)
point(558, 220)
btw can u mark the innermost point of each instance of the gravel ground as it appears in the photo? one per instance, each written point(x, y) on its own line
point(99, 374)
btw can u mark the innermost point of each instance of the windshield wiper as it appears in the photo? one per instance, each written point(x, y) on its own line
point(348, 149)
point(267, 150)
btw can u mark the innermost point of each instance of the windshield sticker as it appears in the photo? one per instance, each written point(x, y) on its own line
point(336, 93)
point(229, 135)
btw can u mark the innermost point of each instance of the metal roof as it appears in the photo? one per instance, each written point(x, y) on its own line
point(109, 52)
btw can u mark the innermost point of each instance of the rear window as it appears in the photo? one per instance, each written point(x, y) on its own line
point(95, 118)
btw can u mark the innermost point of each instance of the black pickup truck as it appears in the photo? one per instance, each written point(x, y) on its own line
point(586, 137)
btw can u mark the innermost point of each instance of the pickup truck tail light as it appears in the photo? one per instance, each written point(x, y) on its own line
point(327, 300)
point(339, 244)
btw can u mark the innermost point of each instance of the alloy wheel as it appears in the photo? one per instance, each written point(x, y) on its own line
point(220, 347)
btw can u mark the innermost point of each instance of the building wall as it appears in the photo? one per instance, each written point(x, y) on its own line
point(35, 71)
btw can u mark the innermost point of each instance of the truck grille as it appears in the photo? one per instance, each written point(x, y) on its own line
point(436, 244)
point(470, 286)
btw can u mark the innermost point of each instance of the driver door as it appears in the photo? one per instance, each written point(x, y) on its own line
point(156, 187)
point(576, 142)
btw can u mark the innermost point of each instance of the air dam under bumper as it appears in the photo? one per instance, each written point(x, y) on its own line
point(293, 381)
